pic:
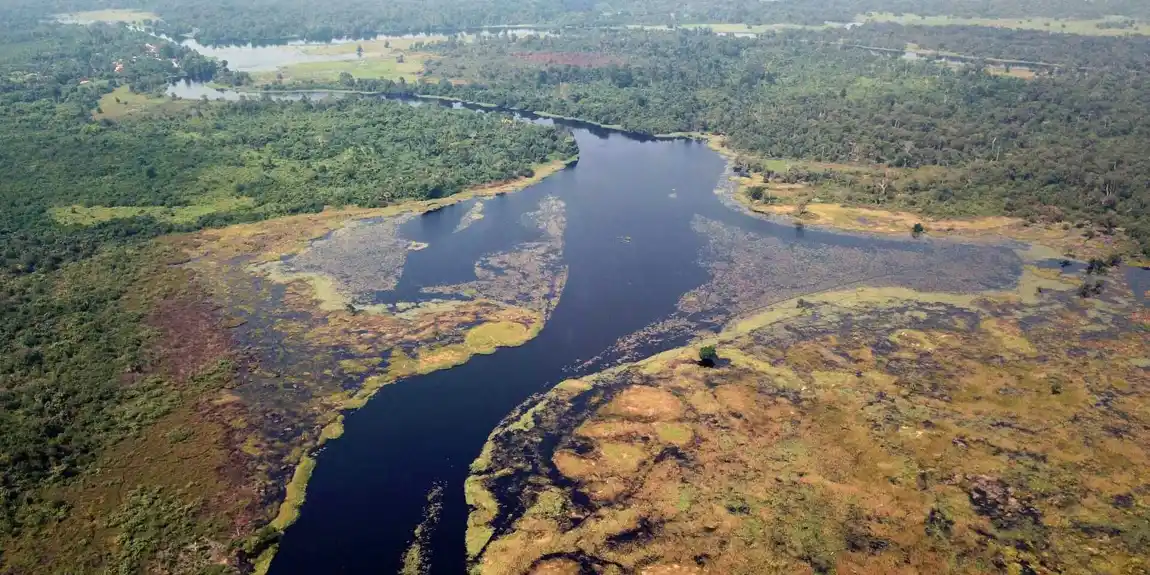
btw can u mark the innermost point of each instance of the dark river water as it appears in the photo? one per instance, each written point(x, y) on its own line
point(632, 253)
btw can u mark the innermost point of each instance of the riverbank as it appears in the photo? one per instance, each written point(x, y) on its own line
point(237, 382)
point(808, 204)
point(828, 431)
point(251, 272)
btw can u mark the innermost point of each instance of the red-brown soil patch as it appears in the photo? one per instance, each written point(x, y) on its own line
point(191, 335)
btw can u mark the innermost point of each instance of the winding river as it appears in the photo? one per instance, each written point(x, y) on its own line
point(641, 229)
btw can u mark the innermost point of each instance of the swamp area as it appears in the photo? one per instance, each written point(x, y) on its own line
point(880, 403)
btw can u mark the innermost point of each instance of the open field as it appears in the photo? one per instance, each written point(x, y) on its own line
point(380, 60)
point(111, 15)
point(123, 102)
point(1083, 27)
point(378, 47)
point(87, 216)
point(367, 68)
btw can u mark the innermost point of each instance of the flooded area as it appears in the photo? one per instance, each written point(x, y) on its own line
point(857, 431)
point(267, 58)
point(626, 254)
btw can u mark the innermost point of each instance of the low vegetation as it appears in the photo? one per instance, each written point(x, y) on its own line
point(854, 433)
point(187, 285)
point(870, 198)
point(120, 364)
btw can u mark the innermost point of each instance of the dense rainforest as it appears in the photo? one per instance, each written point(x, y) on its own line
point(1060, 147)
point(275, 21)
point(79, 196)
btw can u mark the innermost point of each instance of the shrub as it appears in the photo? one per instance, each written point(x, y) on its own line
point(708, 354)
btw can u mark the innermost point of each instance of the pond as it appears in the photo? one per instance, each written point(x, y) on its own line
point(654, 256)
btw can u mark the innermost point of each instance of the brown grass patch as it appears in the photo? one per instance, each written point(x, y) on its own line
point(643, 403)
point(906, 442)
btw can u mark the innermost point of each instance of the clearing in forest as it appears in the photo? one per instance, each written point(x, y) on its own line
point(110, 16)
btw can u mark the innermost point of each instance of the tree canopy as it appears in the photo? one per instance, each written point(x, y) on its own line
point(70, 336)
point(1062, 146)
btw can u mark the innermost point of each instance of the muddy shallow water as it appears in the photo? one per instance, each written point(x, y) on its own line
point(652, 257)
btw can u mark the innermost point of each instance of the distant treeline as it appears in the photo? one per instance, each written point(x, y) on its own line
point(276, 21)
point(285, 157)
point(1069, 51)
point(1067, 147)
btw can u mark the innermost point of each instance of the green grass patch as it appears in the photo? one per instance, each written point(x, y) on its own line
point(1099, 27)
point(384, 67)
point(296, 493)
point(497, 334)
point(88, 216)
point(148, 522)
point(123, 102)
point(674, 433)
point(382, 46)
point(111, 16)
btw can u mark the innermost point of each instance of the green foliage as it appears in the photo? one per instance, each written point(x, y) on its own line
point(708, 354)
point(1023, 48)
point(77, 368)
point(960, 142)
point(149, 521)
point(276, 21)
point(917, 230)
point(261, 540)
point(939, 523)
point(183, 171)
point(69, 347)
point(808, 530)
point(1091, 288)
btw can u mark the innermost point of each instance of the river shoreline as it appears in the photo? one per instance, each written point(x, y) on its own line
point(212, 254)
point(844, 217)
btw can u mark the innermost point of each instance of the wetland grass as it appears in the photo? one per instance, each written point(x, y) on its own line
point(309, 356)
point(843, 207)
point(295, 494)
point(864, 432)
